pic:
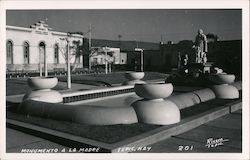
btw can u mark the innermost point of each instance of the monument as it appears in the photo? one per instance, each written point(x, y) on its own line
point(200, 46)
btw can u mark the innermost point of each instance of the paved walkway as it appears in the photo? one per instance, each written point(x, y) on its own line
point(228, 127)
point(17, 141)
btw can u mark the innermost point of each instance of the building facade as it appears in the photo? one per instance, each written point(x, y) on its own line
point(29, 49)
point(114, 56)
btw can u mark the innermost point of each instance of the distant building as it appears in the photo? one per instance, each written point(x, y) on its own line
point(224, 54)
point(114, 56)
point(26, 48)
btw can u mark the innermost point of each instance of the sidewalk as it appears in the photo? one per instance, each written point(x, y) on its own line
point(202, 139)
point(227, 127)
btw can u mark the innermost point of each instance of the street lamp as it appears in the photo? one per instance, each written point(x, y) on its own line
point(68, 66)
point(106, 61)
point(140, 50)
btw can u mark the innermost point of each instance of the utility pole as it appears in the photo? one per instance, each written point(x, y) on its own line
point(141, 51)
point(106, 61)
point(90, 28)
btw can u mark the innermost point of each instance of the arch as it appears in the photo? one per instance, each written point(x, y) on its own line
point(9, 52)
point(56, 53)
point(42, 51)
point(26, 52)
point(42, 44)
point(42, 58)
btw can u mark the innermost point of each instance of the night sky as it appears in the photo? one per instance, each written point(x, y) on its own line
point(140, 24)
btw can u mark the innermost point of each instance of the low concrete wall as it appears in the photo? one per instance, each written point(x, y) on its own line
point(205, 94)
point(184, 100)
point(92, 115)
point(99, 115)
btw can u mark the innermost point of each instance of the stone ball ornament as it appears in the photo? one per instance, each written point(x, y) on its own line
point(154, 90)
point(134, 78)
point(42, 90)
point(134, 75)
point(39, 83)
point(223, 88)
point(153, 109)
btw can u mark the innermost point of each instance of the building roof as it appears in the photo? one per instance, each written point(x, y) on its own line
point(41, 25)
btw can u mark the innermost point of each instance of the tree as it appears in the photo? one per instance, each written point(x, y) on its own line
point(102, 51)
point(74, 50)
point(77, 52)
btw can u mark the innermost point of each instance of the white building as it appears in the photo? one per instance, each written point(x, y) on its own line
point(27, 49)
point(114, 56)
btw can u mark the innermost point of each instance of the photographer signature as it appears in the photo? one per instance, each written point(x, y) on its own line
point(211, 143)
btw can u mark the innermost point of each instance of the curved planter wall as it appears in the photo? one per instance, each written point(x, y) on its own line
point(92, 115)
point(184, 100)
point(205, 94)
point(156, 107)
point(225, 91)
point(222, 78)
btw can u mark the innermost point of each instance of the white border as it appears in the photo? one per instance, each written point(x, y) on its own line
point(129, 4)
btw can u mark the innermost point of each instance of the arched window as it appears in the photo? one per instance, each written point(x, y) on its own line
point(26, 52)
point(56, 54)
point(9, 50)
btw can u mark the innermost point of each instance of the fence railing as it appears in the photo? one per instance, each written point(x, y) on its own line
point(97, 93)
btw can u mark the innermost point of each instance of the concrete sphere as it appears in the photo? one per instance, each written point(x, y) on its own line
point(157, 112)
point(134, 75)
point(39, 83)
point(222, 78)
point(154, 90)
point(225, 91)
point(237, 84)
point(50, 96)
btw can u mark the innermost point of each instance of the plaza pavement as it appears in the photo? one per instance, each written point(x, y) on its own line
point(227, 127)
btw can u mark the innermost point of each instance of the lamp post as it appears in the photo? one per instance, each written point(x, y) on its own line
point(68, 66)
point(141, 51)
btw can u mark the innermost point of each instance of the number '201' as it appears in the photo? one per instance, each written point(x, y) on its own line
point(185, 148)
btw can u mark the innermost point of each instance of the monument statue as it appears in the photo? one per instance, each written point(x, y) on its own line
point(201, 47)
